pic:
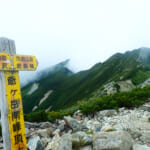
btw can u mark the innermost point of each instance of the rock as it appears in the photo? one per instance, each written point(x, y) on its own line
point(27, 132)
point(1, 146)
point(145, 138)
point(44, 125)
point(92, 124)
point(45, 141)
point(107, 113)
point(140, 147)
point(98, 128)
point(34, 143)
point(132, 120)
point(81, 138)
point(45, 132)
point(31, 125)
point(135, 134)
point(86, 148)
point(78, 115)
point(145, 107)
point(56, 132)
point(116, 140)
point(74, 124)
point(121, 109)
point(107, 128)
point(61, 143)
point(61, 127)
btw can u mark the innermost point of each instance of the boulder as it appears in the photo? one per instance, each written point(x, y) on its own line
point(1, 146)
point(93, 124)
point(116, 140)
point(45, 141)
point(45, 132)
point(107, 128)
point(145, 107)
point(61, 127)
point(78, 115)
point(34, 143)
point(31, 125)
point(44, 125)
point(140, 147)
point(60, 143)
point(107, 113)
point(74, 124)
point(27, 132)
point(145, 138)
point(89, 147)
point(81, 138)
point(98, 128)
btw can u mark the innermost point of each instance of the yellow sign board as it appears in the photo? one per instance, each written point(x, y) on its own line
point(5, 61)
point(15, 111)
point(24, 62)
point(17, 62)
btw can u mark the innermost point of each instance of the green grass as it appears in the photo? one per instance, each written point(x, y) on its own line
point(133, 98)
point(140, 77)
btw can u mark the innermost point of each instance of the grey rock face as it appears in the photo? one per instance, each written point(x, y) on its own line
point(27, 132)
point(107, 113)
point(34, 143)
point(45, 141)
point(61, 143)
point(145, 138)
point(112, 141)
point(1, 146)
point(45, 132)
point(61, 127)
point(45, 125)
point(74, 124)
point(140, 147)
point(145, 107)
point(31, 125)
point(86, 148)
point(81, 138)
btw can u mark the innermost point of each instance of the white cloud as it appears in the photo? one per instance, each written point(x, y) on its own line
point(86, 31)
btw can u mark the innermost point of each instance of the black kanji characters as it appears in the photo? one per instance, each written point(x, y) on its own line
point(11, 80)
point(15, 104)
point(16, 115)
point(18, 139)
point(16, 126)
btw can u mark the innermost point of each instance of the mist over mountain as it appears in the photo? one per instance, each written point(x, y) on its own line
point(28, 77)
point(60, 88)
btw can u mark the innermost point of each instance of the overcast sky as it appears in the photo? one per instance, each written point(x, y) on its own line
point(86, 31)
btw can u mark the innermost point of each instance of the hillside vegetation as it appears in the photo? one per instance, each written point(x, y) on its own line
point(131, 99)
point(69, 88)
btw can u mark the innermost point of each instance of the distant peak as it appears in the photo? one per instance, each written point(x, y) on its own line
point(64, 63)
point(144, 53)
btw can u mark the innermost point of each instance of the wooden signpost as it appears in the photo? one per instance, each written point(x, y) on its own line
point(12, 120)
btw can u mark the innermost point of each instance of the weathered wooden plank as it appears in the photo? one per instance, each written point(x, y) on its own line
point(8, 46)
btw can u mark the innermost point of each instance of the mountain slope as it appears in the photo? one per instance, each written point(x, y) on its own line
point(48, 80)
point(132, 67)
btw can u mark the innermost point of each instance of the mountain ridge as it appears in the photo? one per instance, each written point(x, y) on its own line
point(72, 87)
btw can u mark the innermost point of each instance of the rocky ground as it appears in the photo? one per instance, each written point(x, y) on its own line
point(105, 130)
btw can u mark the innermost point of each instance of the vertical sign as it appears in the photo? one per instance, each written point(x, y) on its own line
point(12, 119)
point(15, 111)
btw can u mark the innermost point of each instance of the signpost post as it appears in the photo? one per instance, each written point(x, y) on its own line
point(12, 120)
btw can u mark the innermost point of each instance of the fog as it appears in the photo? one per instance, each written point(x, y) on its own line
point(84, 31)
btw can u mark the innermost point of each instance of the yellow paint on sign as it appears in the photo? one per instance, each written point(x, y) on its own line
point(15, 111)
point(5, 61)
point(24, 62)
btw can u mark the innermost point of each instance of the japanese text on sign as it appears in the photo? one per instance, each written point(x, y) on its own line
point(15, 116)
